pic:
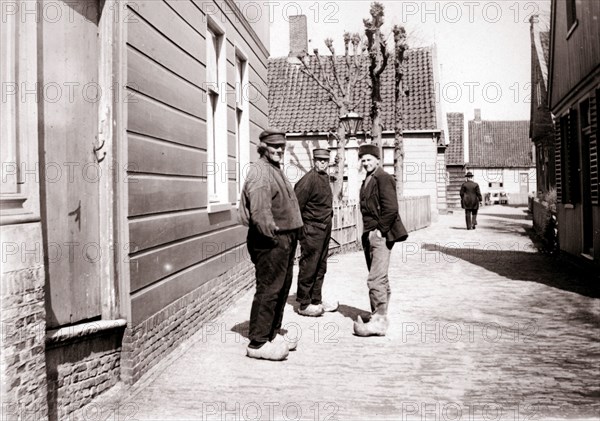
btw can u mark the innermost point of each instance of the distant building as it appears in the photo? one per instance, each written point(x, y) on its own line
point(573, 97)
point(501, 157)
point(541, 129)
point(455, 158)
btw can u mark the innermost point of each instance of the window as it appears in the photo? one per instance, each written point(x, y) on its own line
point(571, 15)
point(216, 118)
point(242, 136)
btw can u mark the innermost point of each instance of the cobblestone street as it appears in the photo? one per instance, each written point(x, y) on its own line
point(482, 326)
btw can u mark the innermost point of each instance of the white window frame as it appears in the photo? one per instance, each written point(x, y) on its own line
point(242, 135)
point(216, 118)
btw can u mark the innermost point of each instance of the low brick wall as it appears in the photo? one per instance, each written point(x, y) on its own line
point(79, 368)
point(22, 366)
point(146, 344)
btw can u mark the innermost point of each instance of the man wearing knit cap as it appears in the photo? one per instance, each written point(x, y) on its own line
point(382, 228)
point(315, 199)
point(269, 208)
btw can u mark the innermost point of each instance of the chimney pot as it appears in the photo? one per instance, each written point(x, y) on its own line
point(477, 114)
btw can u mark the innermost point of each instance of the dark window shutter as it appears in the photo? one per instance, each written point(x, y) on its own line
point(574, 165)
point(594, 187)
point(557, 160)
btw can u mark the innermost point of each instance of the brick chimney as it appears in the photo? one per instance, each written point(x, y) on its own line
point(478, 114)
point(298, 36)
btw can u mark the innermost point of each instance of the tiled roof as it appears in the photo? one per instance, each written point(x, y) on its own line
point(297, 104)
point(545, 40)
point(541, 43)
point(455, 151)
point(499, 144)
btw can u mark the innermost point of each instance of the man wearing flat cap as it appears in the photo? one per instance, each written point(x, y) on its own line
point(382, 228)
point(315, 199)
point(470, 196)
point(269, 208)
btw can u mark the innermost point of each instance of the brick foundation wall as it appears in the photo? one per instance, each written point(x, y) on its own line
point(81, 368)
point(146, 344)
point(22, 365)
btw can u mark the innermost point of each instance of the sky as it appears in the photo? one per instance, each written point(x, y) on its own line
point(483, 47)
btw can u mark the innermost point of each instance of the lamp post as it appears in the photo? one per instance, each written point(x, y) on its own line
point(351, 123)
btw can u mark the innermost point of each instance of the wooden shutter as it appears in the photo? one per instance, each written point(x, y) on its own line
point(574, 177)
point(594, 148)
point(558, 160)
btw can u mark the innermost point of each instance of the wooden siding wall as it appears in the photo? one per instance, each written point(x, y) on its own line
point(175, 244)
point(574, 58)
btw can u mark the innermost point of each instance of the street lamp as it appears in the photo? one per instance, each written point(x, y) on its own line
point(351, 122)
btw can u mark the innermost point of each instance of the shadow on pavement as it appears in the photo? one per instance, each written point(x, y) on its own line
point(242, 328)
point(526, 266)
point(353, 312)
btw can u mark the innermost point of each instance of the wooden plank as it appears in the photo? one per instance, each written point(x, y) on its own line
point(189, 13)
point(168, 23)
point(69, 132)
point(147, 302)
point(149, 155)
point(151, 118)
point(146, 39)
point(149, 78)
point(165, 261)
point(151, 194)
point(155, 230)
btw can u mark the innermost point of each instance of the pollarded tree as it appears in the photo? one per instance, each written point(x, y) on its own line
point(378, 57)
point(339, 77)
point(400, 46)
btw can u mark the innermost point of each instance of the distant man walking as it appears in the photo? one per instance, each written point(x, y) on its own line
point(268, 206)
point(382, 228)
point(470, 197)
point(315, 199)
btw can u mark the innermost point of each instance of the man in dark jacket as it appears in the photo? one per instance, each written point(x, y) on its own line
point(470, 197)
point(268, 206)
point(382, 228)
point(315, 199)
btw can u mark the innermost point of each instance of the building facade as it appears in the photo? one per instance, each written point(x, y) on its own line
point(125, 136)
point(573, 95)
point(541, 129)
point(501, 158)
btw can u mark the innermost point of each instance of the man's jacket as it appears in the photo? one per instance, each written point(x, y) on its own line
point(268, 202)
point(379, 206)
point(470, 196)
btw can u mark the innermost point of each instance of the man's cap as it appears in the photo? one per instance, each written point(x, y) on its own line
point(469, 174)
point(272, 136)
point(368, 149)
point(321, 153)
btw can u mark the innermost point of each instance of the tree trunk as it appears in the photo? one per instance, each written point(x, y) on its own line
point(338, 185)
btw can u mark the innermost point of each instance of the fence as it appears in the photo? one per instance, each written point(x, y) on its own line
point(415, 212)
point(347, 220)
point(346, 228)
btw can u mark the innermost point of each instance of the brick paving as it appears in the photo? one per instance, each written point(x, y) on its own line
point(482, 327)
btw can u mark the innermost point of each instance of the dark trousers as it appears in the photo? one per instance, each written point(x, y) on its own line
point(274, 265)
point(313, 263)
point(471, 218)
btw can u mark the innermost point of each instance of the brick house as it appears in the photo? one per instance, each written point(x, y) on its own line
point(541, 129)
point(573, 96)
point(501, 157)
point(304, 111)
point(119, 186)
